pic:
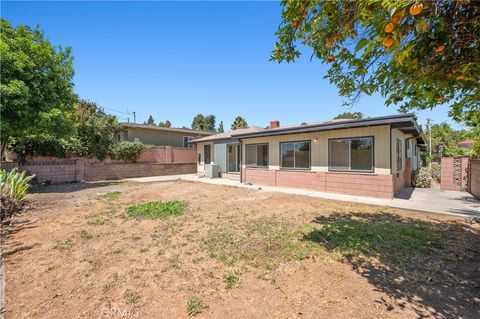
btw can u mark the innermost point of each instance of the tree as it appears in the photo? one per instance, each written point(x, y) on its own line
point(444, 140)
point(198, 122)
point(417, 54)
point(210, 123)
point(204, 123)
point(96, 131)
point(239, 122)
point(165, 124)
point(349, 115)
point(220, 127)
point(150, 121)
point(36, 86)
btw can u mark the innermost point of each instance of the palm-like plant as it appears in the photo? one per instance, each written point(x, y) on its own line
point(13, 187)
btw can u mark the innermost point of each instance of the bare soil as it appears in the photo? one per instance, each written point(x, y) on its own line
point(73, 254)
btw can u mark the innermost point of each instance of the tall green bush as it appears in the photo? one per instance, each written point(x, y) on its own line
point(13, 187)
point(128, 151)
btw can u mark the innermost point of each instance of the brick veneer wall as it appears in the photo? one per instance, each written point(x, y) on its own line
point(347, 183)
point(474, 180)
point(399, 181)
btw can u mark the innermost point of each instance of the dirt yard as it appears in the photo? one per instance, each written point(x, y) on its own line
point(234, 253)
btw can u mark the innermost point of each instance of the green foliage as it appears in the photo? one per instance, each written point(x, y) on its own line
point(195, 306)
point(350, 115)
point(416, 60)
point(444, 140)
point(422, 178)
point(436, 172)
point(36, 85)
point(127, 151)
point(220, 127)
point(165, 124)
point(36, 146)
point(239, 122)
point(231, 280)
point(157, 209)
point(13, 187)
point(96, 131)
point(456, 151)
point(204, 123)
point(150, 121)
point(382, 236)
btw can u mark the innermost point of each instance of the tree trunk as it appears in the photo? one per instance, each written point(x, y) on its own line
point(3, 145)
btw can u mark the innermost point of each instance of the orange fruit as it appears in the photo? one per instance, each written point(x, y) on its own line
point(440, 48)
point(397, 17)
point(344, 49)
point(454, 70)
point(389, 27)
point(330, 43)
point(331, 58)
point(416, 9)
point(295, 23)
point(305, 14)
point(388, 42)
point(336, 36)
point(449, 75)
point(460, 77)
point(441, 98)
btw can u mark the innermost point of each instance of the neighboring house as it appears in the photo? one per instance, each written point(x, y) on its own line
point(159, 136)
point(467, 144)
point(368, 157)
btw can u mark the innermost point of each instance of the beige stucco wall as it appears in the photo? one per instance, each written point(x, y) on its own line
point(319, 148)
point(158, 137)
point(201, 165)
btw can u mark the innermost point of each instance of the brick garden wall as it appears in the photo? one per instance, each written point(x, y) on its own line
point(346, 183)
point(95, 172)
point(454, 173)
point(161, 160)
point(474, 186)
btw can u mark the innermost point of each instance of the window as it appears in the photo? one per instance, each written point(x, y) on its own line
point(351, 154)
point(295, 154)
point(399, 155)
point(256, 155)
point(186, 139)
point(136, 139)
point(207, 154)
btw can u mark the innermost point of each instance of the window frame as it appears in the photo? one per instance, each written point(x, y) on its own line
point(330, 169)
point(399, 152)
point(188, 145)
point(296, 168)
point(256, 155)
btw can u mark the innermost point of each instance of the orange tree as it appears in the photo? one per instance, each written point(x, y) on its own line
point(417, 54)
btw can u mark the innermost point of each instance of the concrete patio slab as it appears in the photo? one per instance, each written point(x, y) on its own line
point(423, 199)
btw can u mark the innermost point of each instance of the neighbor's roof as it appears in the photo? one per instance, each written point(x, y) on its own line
point(466, 142)
point(168, 129)
point(227, 135)
point(404, 122)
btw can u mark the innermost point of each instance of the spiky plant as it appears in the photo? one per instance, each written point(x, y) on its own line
point(13, 187)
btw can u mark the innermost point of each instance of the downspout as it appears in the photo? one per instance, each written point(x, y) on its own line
point(241, 162)
point(390, 143)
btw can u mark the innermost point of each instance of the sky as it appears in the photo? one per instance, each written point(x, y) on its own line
point(174, 60)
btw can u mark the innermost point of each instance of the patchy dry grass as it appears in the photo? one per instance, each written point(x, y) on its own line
point(109, 196)
point(245, 253)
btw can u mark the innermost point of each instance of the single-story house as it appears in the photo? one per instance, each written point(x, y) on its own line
point(466, 144)
point(159, 136)
point(366, 157)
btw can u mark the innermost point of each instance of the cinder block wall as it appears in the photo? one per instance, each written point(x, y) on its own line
point(475, 177)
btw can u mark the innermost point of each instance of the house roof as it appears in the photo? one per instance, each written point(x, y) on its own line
point(227, 135)
point(466, 142)
point(404, 122)
point(167, 129)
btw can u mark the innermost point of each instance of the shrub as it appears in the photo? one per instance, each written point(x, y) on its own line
point(13, 186)
point(436, 171)
point(195, 306)
point(128, 151)
point(422, 177)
